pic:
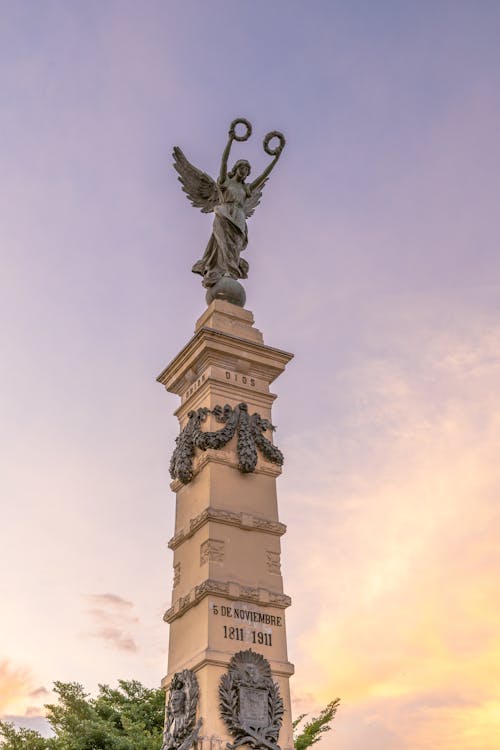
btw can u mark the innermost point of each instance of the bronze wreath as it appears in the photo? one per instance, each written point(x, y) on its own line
point(240, 121)
point(279, 148)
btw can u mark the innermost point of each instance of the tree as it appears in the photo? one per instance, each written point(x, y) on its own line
point(314, 729)
point(127, 718)
point(21, 739)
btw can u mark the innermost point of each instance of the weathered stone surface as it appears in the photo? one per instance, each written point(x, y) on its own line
point(243, 520)
point(181, 728)
point(228, 592)
point(227, 288)
point(231, 590)
point(250, 702)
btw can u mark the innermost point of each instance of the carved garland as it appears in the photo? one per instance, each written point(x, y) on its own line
point(250, 430)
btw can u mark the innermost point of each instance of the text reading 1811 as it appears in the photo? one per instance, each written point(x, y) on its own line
point(239, 634)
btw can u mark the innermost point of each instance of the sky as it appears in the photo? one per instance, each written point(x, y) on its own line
point(374, 257)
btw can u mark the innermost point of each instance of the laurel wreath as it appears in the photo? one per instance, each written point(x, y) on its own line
point(279, 148)
point(250, 431)
point(240, 121)
point(228, 695)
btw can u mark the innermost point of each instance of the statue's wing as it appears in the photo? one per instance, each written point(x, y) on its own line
point(253, 200)
point(198, 186)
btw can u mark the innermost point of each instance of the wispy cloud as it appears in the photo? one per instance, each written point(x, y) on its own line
point(39, 692)
point(33, 711)
point(372, 254)
point(116, 637)
point(15, 687)
point(408, 616)
point(110, 600)
point(113, 621)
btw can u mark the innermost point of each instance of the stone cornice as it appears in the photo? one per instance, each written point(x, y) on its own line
point(228, 458)
point(212, 386)
point(245, 521)
point(267, 361)
point(230, 590)
point(221, 659)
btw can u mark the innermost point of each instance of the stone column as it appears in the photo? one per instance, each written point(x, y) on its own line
point(227, 590)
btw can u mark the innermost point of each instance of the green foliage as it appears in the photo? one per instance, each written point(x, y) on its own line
point(21, 739)
point(129, 717)
point(314, 729)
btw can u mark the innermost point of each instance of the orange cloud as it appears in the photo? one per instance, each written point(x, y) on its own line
point(407, 630)
point(15, 686)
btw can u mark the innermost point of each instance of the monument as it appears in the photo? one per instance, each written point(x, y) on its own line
point(228, 669)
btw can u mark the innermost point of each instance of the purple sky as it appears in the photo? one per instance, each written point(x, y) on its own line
point(374, 256)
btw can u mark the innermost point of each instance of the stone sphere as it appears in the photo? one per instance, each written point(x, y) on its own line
point(227, 289)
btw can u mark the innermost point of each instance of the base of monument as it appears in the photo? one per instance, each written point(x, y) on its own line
point(227, 289)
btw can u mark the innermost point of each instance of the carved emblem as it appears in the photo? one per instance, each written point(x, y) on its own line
point(250, 431)
point(212, 550)
point(250, 702)
point(181, 728)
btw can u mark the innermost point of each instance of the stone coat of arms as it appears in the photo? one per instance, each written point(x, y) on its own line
point(250, 702)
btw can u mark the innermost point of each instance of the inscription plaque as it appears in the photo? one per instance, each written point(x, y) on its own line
point(253, 706)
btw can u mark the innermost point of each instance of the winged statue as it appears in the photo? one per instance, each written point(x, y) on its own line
point(233, 200)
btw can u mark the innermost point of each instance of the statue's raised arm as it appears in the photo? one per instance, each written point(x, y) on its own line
point(276, 152)
point(232, 200)
point(232, 136)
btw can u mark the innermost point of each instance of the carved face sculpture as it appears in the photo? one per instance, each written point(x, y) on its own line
point(178, 702)
point(242, 169)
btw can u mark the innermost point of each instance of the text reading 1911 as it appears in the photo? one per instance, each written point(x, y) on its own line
point(248, 636)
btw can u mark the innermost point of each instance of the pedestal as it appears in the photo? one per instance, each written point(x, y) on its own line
point(227, 587)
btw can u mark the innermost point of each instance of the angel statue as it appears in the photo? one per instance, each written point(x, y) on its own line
point(233, 201)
